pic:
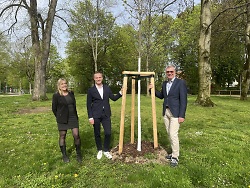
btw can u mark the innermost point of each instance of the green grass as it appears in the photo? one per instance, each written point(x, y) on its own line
point(214, 147)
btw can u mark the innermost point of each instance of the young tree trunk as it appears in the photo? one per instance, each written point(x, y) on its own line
point(246, 69)
point(148, 34)
point(203, 97)
point(96, 42)
point(30, 88)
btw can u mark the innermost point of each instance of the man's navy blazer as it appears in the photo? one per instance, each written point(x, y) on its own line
point(96, 105)
point(176, 100)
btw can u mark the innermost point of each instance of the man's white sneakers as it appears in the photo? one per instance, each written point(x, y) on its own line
point(99, 154)
point(107, 154)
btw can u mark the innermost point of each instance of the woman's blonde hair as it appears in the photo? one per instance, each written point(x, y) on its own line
point(59, 83)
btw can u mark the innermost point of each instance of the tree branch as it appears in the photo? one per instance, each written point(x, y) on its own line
point(9, 6)
point(165, 6)
point(220, 13)
point(63, 20)
point(5, 9)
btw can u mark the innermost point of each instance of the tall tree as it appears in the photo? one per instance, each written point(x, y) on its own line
point(227, 47)
point(4, 61)
point(153, 17)
point(246, 68)
point(56, 68)
point(184, 51)
point(80, 59)
point(121, 54)
point(161, 46)
point(236, 14)
point(205, 72)
point(41, 31)
point(93, 24)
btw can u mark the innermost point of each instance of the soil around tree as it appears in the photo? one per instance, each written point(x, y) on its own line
point(148, 153)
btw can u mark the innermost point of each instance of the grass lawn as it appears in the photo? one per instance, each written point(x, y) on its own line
point(214, 147)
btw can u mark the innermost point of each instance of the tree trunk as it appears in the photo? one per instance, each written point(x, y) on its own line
point(20, 87)
point(41, 46)
point(203, 97)
point(30, 88)
point(148, 41)
point(39, 92)
point(246, 69)
point(95, 43)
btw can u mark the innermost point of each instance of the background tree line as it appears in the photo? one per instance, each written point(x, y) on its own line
point(97, 42)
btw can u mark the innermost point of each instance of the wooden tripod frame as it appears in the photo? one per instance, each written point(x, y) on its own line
point(133, 74)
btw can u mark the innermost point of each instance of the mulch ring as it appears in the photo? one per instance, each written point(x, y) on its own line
point(148, 154)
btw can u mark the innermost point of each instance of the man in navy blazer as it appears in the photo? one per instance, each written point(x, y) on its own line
point(99, 112)
point(174, 93)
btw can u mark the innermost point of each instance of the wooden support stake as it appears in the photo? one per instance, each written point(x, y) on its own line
point(138, 73)
point(124, 94)
point(154, 113)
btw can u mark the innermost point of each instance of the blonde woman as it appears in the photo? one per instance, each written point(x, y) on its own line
point(64, 109)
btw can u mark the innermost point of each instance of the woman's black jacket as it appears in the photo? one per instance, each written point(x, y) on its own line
point(60, 107)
